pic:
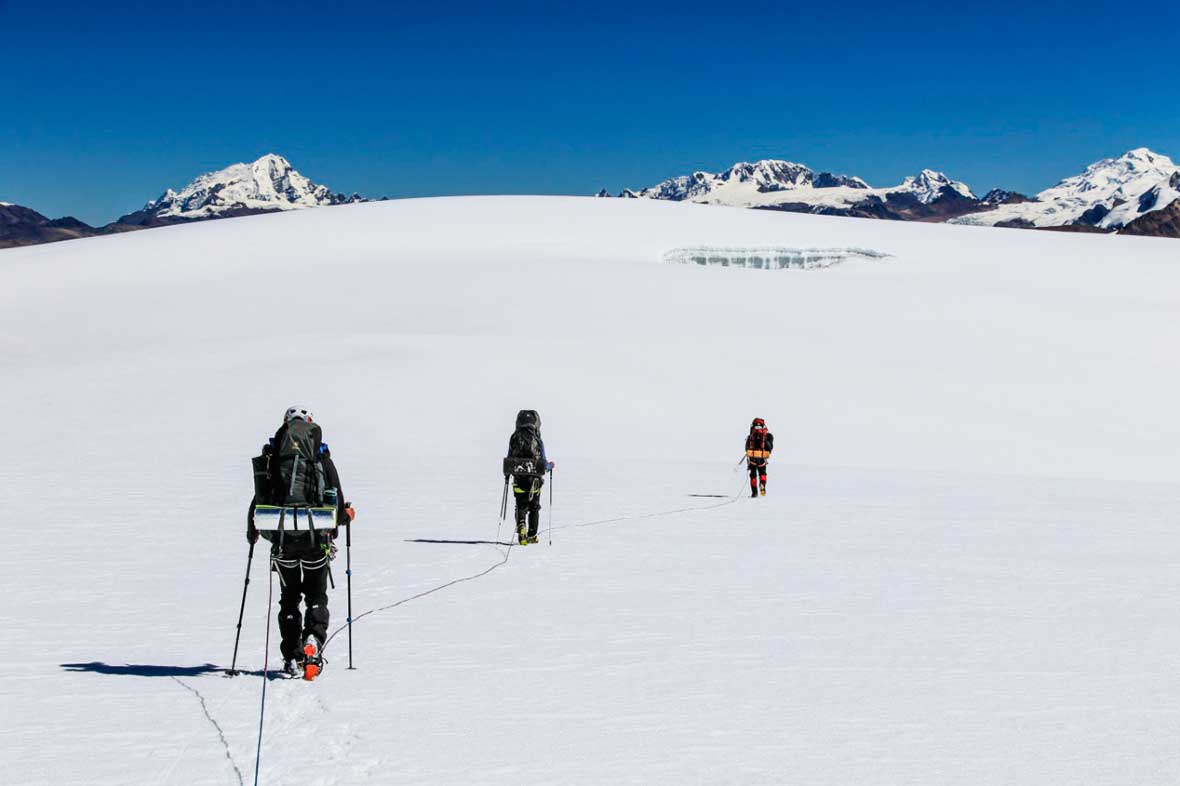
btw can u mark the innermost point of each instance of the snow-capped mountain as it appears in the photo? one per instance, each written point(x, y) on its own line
point(1109, 194)
point(266, 185)
point(1112, 194)
point(784, 185)
point(742, 181)
point(928, 186)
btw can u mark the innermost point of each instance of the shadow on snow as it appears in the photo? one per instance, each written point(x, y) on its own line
point(459, 542)
point(142, 670)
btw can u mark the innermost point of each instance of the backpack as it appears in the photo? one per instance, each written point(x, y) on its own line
point(759, 444)
point(525, 443)
point(296, 471)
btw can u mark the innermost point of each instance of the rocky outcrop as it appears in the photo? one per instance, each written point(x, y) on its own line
point(1158, 223)
point(23, 226)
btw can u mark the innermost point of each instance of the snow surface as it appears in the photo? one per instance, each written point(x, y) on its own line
point(965, 571)
point(1115, 183)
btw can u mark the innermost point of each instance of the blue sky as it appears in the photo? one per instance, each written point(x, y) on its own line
point(104, 105)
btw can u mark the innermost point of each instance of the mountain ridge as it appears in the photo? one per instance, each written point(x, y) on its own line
point(1108, 195)
point(268, 184)
point(1119, 194)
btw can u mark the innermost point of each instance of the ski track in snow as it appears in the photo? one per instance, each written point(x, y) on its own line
point(291, 719)
point(166, 776)
point(321, 708)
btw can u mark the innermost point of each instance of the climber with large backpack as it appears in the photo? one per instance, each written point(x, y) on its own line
point(759, 445)
point(527, 464)
point(296, 470)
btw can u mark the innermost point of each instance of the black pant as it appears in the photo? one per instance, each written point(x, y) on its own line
point(757, 474)
point(305, 578)
point(527, 491)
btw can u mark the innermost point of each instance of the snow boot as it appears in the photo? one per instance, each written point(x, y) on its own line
point(522, 531)
point(291, 669)
point(313, 664)
point(753, 492)
point(763, 489)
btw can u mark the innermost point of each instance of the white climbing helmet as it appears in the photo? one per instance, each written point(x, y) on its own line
point(298, 412)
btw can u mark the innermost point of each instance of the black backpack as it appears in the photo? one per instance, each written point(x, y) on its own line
point(525, 442)
point(295, 469)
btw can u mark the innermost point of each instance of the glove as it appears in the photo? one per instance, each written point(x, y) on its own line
point(552, 464)
point(330, 550)
point(348, 511)
point(251, 535)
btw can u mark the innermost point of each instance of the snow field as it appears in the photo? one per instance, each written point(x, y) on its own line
point(947, 613)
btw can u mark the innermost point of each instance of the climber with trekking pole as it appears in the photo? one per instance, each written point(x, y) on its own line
point(298, 506)
point(526, 465)
point(759, 445)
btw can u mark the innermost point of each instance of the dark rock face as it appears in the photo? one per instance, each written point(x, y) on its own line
point(998, 196)
point(949, 204)
point(22, 226)
point(1023, 223)
point(1092, 216)
point(1017, 223)
point(1158, 223)
point(897, 206)
point(1148, 199)
point(828, 180)
point(1082, 228)
point(872, 207)
point(145, 219)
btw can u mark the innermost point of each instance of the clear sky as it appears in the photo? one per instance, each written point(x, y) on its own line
point(103, 105)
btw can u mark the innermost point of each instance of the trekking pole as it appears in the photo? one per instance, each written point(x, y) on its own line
point(550, 506)
point(265, 663)
point(237, 637)
point(503, 509)
point(348, 574)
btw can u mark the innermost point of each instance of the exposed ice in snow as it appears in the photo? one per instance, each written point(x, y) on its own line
point(768, 257)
